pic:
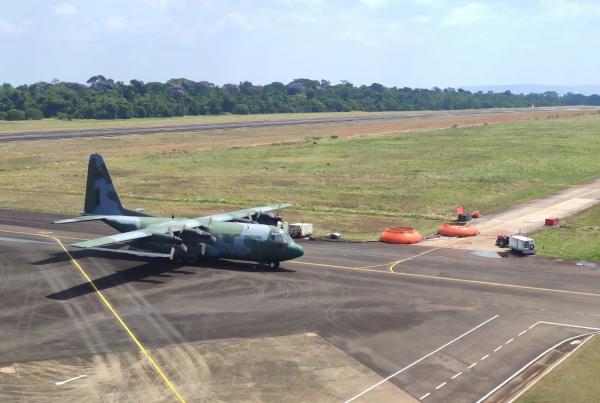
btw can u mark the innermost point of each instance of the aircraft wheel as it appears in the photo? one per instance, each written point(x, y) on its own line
point(274, 266)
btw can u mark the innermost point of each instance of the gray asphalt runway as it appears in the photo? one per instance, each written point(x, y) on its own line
point(443, 326)
point(28, 136)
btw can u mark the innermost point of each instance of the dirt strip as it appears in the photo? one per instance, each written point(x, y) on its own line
point(523, 218)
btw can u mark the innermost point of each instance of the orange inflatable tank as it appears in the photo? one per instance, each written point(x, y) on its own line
point(457, 230)
point(403, 235)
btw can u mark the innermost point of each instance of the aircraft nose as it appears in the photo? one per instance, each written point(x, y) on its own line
point(295, 251)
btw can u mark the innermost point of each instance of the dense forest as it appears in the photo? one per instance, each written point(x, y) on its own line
point(104, 98)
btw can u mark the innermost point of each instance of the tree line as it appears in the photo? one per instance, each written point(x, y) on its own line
point(104, 98)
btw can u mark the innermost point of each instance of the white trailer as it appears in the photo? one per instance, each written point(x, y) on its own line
point(522, 244)
point(300, 230)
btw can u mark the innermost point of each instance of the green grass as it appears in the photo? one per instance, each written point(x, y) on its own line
point(578, 237)
point(358, 186)
point(575, 380)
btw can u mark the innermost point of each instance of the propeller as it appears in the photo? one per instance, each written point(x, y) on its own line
point(177, 242)
point(199, 234)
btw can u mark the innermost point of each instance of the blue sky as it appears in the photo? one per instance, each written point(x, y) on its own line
point(415, 43)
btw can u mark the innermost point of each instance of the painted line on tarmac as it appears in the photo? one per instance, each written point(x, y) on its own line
point(453, 279)
point(112, 310)
point(70, 380)
point(42, 233)
point(567, 325)
point(494, 284)
point(397, 262)
point(367, 390)
point(123, 324)
point(518, 372)
point(543, 374)
point(485, 357)
point(456, 375)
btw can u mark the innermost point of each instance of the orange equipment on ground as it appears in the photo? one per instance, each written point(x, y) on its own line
point(475, 214)
point(457, 230)
point(404, 235)
point(552, 221)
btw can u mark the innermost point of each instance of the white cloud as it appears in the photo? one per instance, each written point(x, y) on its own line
point(356, 38)
point(65, 9)
point(115, 23)
point(161, 5)
point(420, 19)
point(8, 27)
point(467, 15)
point(569, 9)
point(374, 3)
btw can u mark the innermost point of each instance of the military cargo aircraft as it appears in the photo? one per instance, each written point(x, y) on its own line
point(248, 234)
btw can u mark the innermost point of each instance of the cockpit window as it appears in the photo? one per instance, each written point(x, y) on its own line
point(280, 237)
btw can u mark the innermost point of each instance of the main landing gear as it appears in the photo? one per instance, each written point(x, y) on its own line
point(274, 266)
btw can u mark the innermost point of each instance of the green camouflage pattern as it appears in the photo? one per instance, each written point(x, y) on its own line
point(232, 235)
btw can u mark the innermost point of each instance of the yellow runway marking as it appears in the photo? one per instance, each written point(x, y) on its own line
point(451, 279)
point(396, 263)
point(112, 310)
point(42, 233)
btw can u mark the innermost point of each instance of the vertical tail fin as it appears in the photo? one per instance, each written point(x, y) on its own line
point(100, 194)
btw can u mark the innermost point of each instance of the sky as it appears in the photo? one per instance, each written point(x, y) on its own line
point(412, 43)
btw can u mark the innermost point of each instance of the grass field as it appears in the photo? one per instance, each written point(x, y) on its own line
point(52, 124)
point(578, 237)
point(575, 380)
point(358, 186)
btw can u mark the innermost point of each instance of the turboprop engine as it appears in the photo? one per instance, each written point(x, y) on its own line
point(185, 240)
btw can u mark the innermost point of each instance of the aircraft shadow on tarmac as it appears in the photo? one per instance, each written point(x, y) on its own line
point(152, 267)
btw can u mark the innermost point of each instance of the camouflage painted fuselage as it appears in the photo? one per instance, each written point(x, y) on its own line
point(231, 240)
point(232, 235)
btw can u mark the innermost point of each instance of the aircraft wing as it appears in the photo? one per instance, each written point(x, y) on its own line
point(125, 236)
point(80, 219)
point(232, 215)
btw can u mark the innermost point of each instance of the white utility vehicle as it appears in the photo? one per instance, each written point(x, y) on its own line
point(300, 230)
point(522, 244)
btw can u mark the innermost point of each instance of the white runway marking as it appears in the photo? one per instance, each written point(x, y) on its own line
point(597, 330)
point(421, 359)
point(549, 369)
point(510, 378)
point(568, 325)
point(70, 380)
point(425, 396)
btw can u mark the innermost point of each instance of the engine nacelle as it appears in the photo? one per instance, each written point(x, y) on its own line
point(267, 219)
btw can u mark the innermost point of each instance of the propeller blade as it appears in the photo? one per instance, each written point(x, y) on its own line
point(184, 247)
point(202, 248)
point(172, 255)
